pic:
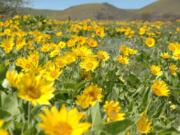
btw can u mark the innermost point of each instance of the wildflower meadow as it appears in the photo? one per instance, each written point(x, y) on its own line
point(89, 77)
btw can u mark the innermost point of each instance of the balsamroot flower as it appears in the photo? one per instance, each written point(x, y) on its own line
point(123, 60)
point(150, 42)
point(144, 124)
point(89, 64)
point(112, 110)
point(2, 131)
point(90, 95)
point(156, 70)
point(33, 88)
point(160, 88)
point(63, 122)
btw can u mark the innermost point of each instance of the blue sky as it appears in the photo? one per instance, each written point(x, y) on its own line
point(62, 4)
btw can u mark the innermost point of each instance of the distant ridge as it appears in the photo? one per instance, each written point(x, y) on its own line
point(103, 11)
point(161, 9)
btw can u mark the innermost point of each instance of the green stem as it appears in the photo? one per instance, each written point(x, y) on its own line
point(150, 101)
point(29, 114)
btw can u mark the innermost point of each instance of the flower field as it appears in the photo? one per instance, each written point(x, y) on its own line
point(88, 77)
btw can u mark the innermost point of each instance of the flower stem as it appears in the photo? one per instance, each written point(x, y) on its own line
point(29, 114)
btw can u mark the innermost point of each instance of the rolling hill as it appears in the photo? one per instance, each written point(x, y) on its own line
point(103, 11)
point(161, 9)
point(39, 12)
point(95, 11)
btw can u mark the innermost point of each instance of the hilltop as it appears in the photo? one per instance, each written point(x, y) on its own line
point(162, 9)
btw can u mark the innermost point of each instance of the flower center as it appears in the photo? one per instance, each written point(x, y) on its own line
point(89, 65)
point(113, 114)
point(33, 93)
point(150, 42)
point(62, 128)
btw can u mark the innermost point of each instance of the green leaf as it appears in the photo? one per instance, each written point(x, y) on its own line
point(96, 117)
point(117, 127)
point(30, 131)
point(4, 114)
point(9, 103)
point(133, 80)
point(146, 99)
point(170, 131)
point(2, 71)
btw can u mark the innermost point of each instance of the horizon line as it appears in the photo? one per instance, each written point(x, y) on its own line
point(86, 4)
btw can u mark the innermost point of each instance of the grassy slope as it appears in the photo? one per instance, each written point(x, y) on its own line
point(95, 11)
point(92, 11)
point(163, 7)
point(107, 11)
point(44, 12)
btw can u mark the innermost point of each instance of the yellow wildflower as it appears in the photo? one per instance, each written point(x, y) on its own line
point(142, 31)
point(54, 52)
point(175, 48)
point(60, 62)
point(62, 44)
point(160, 88)
point(156, 70)
point(2, 131)
point(100, 32)
point(143, 124)
point(51, 72)
point(112, 110)
point(30, 63)
point(90, 95)
point(92, 43)
point(89, 64)
point(126, 51)
point(12, 77)
point(176, 54)
point(103, 55)
point(69, 57)
point(82, 51)
point(63, 122)
point(20, 43)
point(7, 45)
point(123, 59)
point(34, 88)
point(173, 69)
point(58, 34)
point(165, 55)
point(150, 42)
